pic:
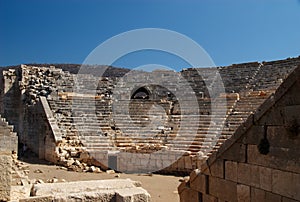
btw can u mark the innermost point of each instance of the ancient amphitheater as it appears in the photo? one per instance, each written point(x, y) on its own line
point(234, 129)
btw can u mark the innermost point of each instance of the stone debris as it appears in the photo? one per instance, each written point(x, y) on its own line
point(110, 172)
point(53, 180)
point(38, 171)
point(39, 181)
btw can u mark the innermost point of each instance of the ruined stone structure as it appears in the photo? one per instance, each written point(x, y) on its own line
point(138, 119)
point(8, 147)
point(261, 161)
point(164, 121)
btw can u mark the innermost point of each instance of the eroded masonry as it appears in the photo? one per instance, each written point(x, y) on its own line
point(222, 124)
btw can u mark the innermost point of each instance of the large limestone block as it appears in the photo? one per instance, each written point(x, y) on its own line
point(5, 177)
point(231, 171)
point(199, 183)
point(257, 195)
point(265, 178)
point(189, 195)
point(136, 194)
point(209, 198)
point(18, 192)
point(98, 196)
point(223, 189)
point(38, 199)
point(248, 174)
point(286, 184)
point(243, 193)
point(82, 186)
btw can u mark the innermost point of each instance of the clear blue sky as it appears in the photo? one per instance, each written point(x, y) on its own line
point(66, 31)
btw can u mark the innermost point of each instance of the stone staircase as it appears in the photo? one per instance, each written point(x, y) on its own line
point(8, 138)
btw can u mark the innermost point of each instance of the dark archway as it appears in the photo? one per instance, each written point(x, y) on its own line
point(141, 94)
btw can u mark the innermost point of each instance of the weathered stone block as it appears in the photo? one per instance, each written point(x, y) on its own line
point(38, 199)
point(199, 183)
point(136, 194)
point(286, 184)
point(284, 199)
point(291, 114)
point(274, 117)
point(189, 195)
point(243, 193)
point(217, 168)
point(18, 192)
point(271, 197)
point(188, 162)
point(265, 178)
point(5, 177)
point(222, 189)
point(257, 195)
point(279, 136)
point(291, 98)
point(81, 186)
point(253, 135)
point(237, 152)
point(181, 163)
point(208, 198)
point(248, 174)
point(231, 171)
point(182, 186)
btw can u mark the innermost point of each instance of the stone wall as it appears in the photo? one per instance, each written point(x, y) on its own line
point(8, 147)
point(11, 98)
point(260, 162)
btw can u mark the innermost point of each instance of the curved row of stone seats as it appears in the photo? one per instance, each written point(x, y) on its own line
point(209, 127)
point(84, 117)
point(236, 78)
point(79, 119)
point(272, 74)
point(244, 107)
point(199, 121)
point(199, 79)
point(135, 124)
point(240, 111)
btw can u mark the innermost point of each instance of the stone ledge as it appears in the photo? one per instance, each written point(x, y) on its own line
point(54, 127)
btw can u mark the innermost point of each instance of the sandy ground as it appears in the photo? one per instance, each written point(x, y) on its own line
point(162, 188)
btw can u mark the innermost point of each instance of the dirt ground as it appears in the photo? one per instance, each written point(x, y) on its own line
point(162, 188)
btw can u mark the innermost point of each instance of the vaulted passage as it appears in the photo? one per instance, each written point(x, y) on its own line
point(141, 94)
